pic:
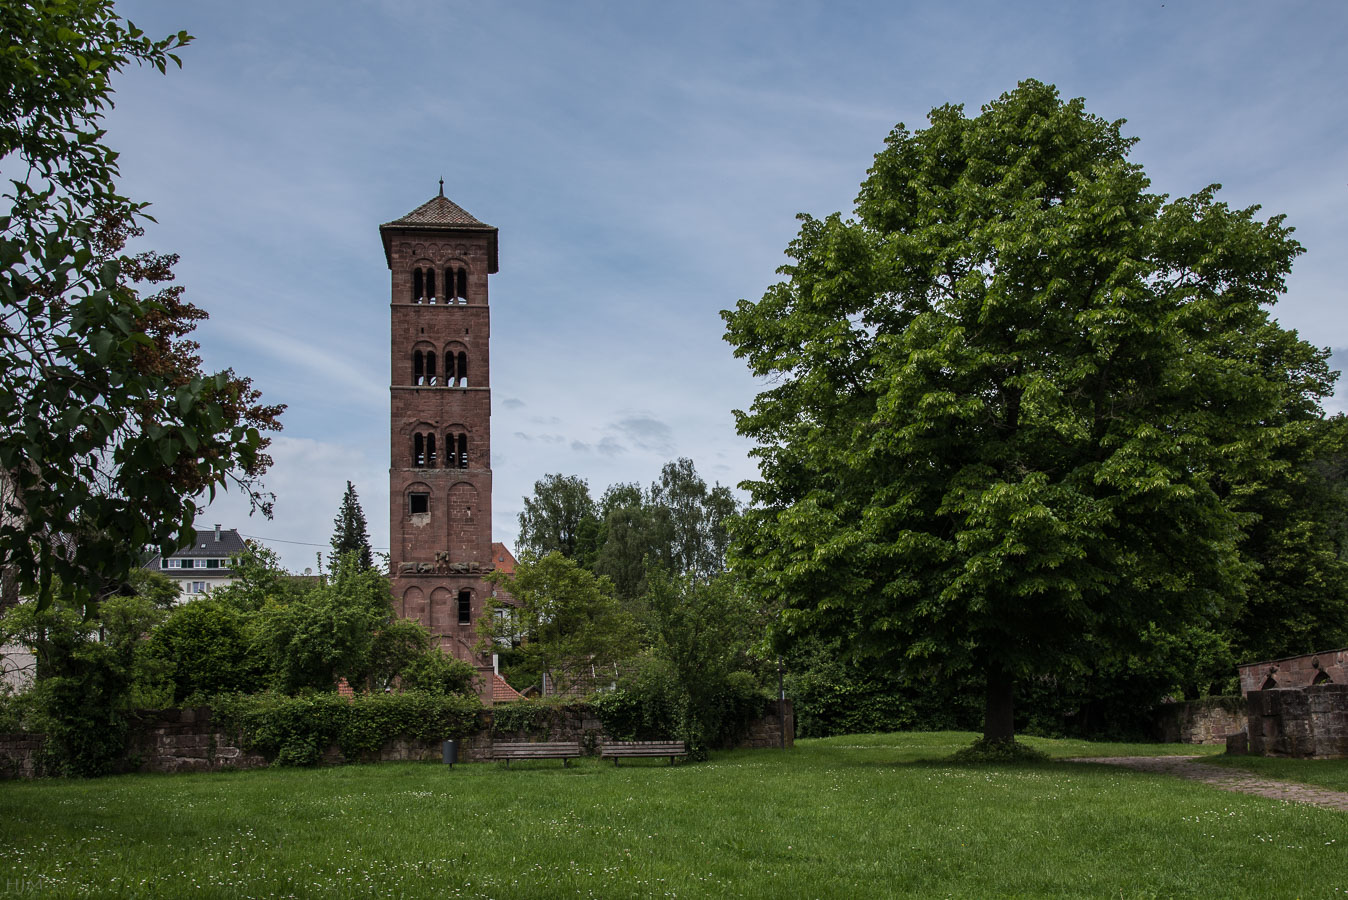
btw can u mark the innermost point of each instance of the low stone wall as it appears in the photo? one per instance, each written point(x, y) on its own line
point(1201, 721)
point(1310, 723)
point(183, 740)
point(18, 755)
point(771, 729)
point(188, 740)
point(1295, 671)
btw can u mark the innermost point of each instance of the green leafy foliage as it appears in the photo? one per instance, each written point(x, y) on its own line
point(80, 696)
point(564, 619)
point(704, 630)
point(984, 751)
point(207, 647)
point(297, 731)
point(350, 534)
point(328, 633)
point(1022, 409)
point(109, 428)
point(559, 518)
point(436, 672)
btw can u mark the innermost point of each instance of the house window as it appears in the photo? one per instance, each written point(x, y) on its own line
point(188, 563)
point(163, 563)
point(212, 563)
point(418, 503)
point(198, 587)
point(465, 608)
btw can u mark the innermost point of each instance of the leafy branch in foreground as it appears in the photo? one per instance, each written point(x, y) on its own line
point(109, 429)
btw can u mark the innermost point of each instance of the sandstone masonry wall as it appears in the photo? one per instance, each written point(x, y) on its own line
point(1199, 722)
point(188, 740)
point(1306, 723)
point(1295, 671)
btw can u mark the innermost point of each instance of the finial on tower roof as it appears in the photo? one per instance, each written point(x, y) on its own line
point(442, 187)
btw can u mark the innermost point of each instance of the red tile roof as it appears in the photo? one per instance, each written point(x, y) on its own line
point(502, 692)
point(502, 558)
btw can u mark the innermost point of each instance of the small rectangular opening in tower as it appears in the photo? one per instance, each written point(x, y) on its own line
point(418, 503)
point(465, 608)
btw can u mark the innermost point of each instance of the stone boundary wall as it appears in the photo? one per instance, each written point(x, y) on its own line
point(187, 740)
point(1200, 722)
point(1295, 671)
point(18, 755)
point(1309, 723)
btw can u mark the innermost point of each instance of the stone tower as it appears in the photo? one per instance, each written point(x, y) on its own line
point(440, 433)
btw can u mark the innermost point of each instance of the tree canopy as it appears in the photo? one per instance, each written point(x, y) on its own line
point(109, 428)
point(1021, 407)
point(350, 533)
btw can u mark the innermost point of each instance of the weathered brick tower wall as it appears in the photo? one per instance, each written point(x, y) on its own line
point(439, 257)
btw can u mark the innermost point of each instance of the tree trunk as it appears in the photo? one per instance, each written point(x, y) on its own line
point(999, 723)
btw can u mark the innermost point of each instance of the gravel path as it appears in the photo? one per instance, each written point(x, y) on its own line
point(1226, 779)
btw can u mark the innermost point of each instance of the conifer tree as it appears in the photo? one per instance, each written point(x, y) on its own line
point(350, 534)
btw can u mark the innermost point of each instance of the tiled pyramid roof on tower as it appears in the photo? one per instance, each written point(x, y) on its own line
point(439, 211)
point(439, 214)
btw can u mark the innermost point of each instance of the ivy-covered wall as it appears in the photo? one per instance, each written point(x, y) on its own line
point(329, 730)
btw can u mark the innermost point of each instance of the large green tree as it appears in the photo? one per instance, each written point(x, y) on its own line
point(565, 620)
point(560, 517)
point(109, 429)
point(1020, 403)
point(350, 533)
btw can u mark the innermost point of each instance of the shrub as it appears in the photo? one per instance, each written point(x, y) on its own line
point(205, 649)
point(296, 731)
point(435, 672)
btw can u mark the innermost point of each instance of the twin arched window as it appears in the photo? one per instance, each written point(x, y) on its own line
point(455, 285)
point(423, 368)
point(424, 455)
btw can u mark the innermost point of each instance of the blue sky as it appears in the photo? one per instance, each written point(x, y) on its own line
point(644, 163)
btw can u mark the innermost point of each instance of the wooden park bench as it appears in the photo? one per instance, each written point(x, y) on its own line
point(616, 750)
point(563, 750)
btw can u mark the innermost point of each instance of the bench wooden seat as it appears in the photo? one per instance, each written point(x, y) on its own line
point(563, 750)
point(616, 750)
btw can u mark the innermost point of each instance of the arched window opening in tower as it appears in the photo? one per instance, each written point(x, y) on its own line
point(462, 289)
point(430, 450)
point(465, 608)
point(430, 285)
point(461, 370)
point(430, 367)
point(418, 451)
point(418, 286)
point(461, 456)
point(418, 367)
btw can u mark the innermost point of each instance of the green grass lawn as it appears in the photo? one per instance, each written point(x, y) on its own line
point(1329, 773)
point(857, 817)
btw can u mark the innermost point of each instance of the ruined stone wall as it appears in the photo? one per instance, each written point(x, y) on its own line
point(1295, 671)
point(1200, 722)
point(1306, 723)
point(18, 755)
point(187, 740)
